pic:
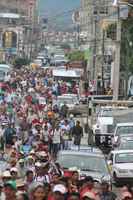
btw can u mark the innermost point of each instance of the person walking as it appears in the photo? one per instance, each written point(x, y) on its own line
point(8, 135)
point(106, 194)
point(77, 133)
point(56, 140)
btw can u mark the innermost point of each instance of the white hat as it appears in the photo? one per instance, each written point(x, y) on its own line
point(38, 164)
point(31, 90)
point(13, 169)
point(6, 174)
point(42, 153)
point(71, 115)
point(32, 151)
point(60, 188)
point(20, 182)
point(21, 160)
point(30, 157)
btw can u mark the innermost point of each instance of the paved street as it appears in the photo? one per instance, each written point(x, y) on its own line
point(59, 57)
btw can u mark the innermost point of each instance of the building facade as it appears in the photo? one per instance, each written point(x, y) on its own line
point(18, 28)
point(14, 6)
point(93, 21)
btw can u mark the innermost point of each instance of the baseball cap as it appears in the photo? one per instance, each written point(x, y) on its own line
point(21, 161)
point(21, 152)
point(32, 151)
point(38, 164)
point(13, 169)
point(30, 158)
point(60, 188)
point(11, 184)
point(6, 174)
point(42, 154)
point(20, 182)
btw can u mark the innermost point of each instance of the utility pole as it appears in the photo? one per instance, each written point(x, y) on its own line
point(94, 50)
point(116, 75)
point(78, 37)
point(103, 52)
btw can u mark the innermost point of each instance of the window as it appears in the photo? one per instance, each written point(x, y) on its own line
point(103, 10)
point(84, 163)
point(124, 158)
point(124, 130)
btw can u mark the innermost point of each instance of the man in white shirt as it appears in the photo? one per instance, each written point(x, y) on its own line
point(65, 135)
point(56, 140)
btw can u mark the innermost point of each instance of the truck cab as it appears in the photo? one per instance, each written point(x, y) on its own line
point(103, 129)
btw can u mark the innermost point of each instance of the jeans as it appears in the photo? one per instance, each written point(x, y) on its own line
point(56, 148)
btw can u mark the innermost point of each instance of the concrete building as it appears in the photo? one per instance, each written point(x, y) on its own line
point(14, 6)
point(93, 20)
point(18, 28)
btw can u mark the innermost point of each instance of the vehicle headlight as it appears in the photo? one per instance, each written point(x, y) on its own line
point(116, 139)
point(122, 171)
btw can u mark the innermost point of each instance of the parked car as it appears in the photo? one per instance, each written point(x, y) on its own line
point(71, 100)
point(121, 162)
point(122, 130)
point(89, 162)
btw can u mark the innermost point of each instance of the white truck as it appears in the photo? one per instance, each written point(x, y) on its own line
point(106, 121)
point(103, 129)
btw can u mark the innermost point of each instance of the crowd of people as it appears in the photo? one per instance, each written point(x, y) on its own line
point(33, 128)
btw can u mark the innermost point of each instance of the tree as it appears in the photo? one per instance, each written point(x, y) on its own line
point(127, 45)
point(19, 62)
point(65, 46)
point(76, 56)
point(111, 31)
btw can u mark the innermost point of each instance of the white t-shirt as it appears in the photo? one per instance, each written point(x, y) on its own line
point(56, 136)
point(46, 135)
point(24, 83)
